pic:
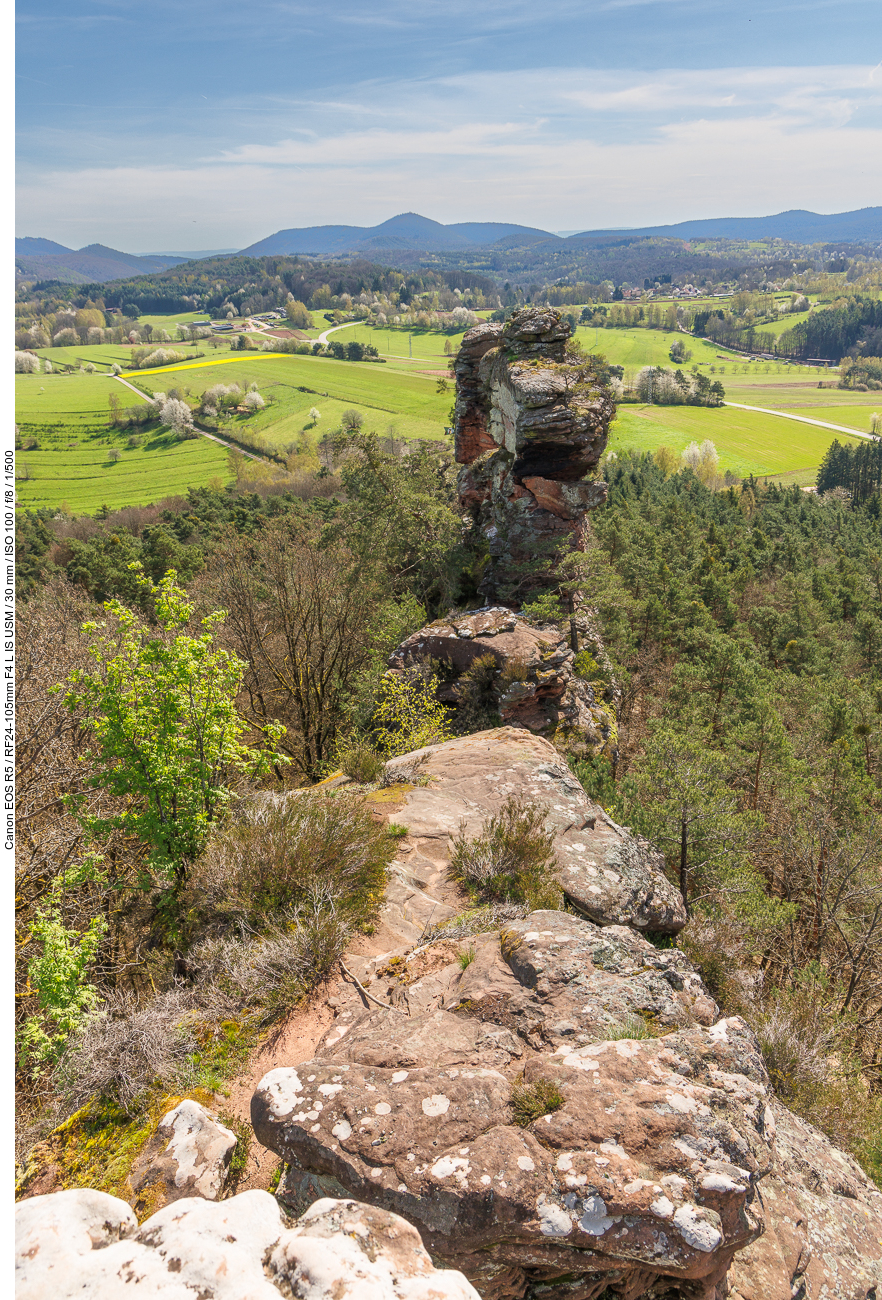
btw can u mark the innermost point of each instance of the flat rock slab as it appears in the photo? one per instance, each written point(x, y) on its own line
point(612, 877)
point(81, 1244)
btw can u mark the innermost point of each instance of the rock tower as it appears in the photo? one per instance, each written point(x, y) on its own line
point(531, 422)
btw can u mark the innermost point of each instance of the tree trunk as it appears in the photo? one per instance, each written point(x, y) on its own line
point(684, 873)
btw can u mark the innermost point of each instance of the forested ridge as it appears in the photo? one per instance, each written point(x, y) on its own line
point(744, 629)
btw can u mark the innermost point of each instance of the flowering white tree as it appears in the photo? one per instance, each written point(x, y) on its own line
point(26, 363)
point(64, 338)
point(315, 414)
point(173, 412)
point(253, 401)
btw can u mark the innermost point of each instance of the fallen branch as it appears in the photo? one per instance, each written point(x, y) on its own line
point(387, 1006)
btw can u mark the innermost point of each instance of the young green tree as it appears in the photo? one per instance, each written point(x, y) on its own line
point(162, 707)
point(65, 997)
point(686, 807)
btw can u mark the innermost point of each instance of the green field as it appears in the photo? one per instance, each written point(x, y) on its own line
point(405, 348)
point(399, 395)
point(383, 394)
point(749, 442)
point(67, 416)
point(104, 355)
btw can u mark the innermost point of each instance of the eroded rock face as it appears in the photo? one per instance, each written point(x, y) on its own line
point(536, 687)
point(530, 424)
point(644, 1176)
point(81, 1244)
point(187, 1156)
point(824, 1224)
point(610, 875)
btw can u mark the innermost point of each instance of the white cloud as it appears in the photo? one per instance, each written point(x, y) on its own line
point(557, 150)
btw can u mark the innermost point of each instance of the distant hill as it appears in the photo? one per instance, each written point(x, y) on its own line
point(797, 225)
point(407, 231)
point(33, 247)
point(94, 264)
point(195, 256)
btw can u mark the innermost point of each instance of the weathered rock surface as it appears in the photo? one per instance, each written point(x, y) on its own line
point(88, 1244)
point(188, 1155)
point(536, 685)
point(530, 423)
point(823, 1238)
point(646, 1175)
point(611, 876)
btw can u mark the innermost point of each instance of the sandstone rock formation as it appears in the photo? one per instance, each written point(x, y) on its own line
point(188, 1155)
point(647, 1171)
point(823, 1234)
point(662, 1166)
point(536, 686)
point(87, 1244)
point(611, 876)
point(530, 424)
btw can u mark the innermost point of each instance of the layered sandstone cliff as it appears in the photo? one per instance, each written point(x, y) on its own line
point(531, 423)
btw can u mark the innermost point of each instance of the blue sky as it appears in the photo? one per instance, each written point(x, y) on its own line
point(212, 124)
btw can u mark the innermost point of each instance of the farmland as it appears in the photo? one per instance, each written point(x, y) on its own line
point(399, 396)
point(292, 385)
point(66, 444)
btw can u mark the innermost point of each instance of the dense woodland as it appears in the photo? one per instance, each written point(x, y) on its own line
point(744, 628)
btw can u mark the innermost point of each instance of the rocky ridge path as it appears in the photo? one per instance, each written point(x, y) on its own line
point(665, 1168)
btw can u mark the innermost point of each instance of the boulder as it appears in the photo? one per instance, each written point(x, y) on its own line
point(645, 1169)
point(611, 876)
point(53, 1231)
point(536, 684)
point(81, 1244)
point(530, 422)
point(188, 1155)
point(824, 1224)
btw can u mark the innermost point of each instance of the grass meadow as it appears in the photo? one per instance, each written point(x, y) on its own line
point(398, 397)
point(292, 385)
point(70, 467)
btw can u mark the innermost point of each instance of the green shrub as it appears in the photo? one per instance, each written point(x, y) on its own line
point(512, 860)
point(531, 1101)
point(276, 855)
point(408, 714)
point(476, 706)
point(587, 667)
point(544, 608)
point(597, 779)
point(359, 760)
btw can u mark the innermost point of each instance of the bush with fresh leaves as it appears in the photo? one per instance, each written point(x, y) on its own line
point(512, 860)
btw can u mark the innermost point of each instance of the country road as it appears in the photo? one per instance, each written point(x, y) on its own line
point(231, 446)
point(804, 419)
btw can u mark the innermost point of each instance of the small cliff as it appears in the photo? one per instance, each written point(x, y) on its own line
point(531, 423)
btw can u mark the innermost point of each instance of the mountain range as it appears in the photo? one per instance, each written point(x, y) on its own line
point(93, 264)
point(409, 233)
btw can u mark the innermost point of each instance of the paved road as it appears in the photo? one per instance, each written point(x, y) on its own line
point(323, 338)
point(804, 419)
point(231, 446)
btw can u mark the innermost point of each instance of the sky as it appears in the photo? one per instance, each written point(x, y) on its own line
point(212, 124)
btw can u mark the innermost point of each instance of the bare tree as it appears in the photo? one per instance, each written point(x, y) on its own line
point(299, 616)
